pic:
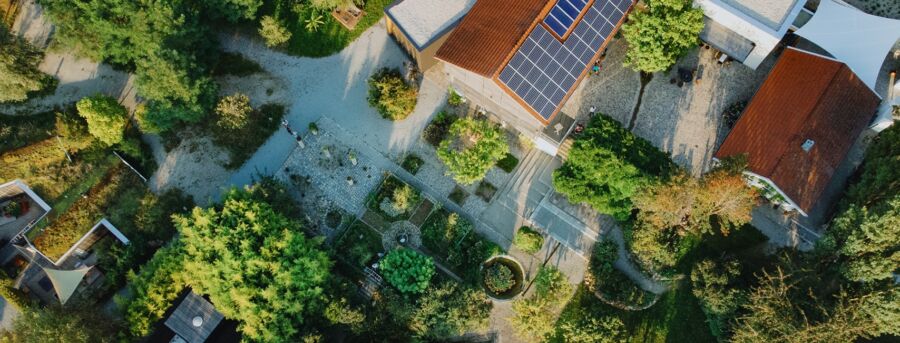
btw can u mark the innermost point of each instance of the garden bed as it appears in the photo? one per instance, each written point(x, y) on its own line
point(388, 194)
point(359, 245)
point(438, 129)
point(486, 191)
point(453, 240)
point(412, 163)
point(508, 163)
point(458, 195)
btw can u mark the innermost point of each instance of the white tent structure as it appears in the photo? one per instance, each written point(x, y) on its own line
point(852, 36)
point(65, 282)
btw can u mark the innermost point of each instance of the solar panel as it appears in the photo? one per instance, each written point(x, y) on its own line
point(563, 15)
point(545, 69)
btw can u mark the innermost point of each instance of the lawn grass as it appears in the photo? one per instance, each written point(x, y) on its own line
point(331, 37)
point(675, 318)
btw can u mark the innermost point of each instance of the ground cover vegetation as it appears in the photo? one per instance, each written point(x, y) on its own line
point(471, 148)
point(659, 32)
point(390, 95)
point(307, 28)
point(20, 77)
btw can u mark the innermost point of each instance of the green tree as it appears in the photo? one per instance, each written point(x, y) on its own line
point(234, 10)
point(407, 270)
point(529, 240)
point(234, 111)
point(177, 88)
point(154, 289)
point(328, 5)
point(106, 118)
point(340, 313)
point(450, 310)
point(55, 324)
point(273, 32)
point(586, 328)
point(660, 32)
point(608, 165)
point(256, 266)
point(535, 317)
point(390, 95)
point(879, 175)
point(871, 242)
point(19, 72)
point(713, 285)
point(472, 148)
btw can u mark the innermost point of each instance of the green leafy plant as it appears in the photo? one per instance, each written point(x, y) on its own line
point(412, 163)
point(499, 278)
point(454, 98)
point(390, 95)
point(473, 147)
point(233, 111)
point(529, 240)
point(313, 22)
point(437, 130)
point(106, 118)
point(273, 32)
point(659, 33)
point(407, 270)
point(454, 240)
point(508, 163)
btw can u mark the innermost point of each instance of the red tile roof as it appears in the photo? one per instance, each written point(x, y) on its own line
point(805, 97)
point(489, 33)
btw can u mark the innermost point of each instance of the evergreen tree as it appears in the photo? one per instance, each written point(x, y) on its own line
point(660, 32)
point(106, 118)
point(19, 74)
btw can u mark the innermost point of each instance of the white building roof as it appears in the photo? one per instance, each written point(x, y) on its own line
point(423, 21)
point(860, 40)
point(771, 13)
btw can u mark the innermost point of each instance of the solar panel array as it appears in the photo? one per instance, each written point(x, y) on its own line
point(563, 15)
point(544, 69)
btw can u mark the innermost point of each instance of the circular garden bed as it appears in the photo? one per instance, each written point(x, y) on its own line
point(502, 277)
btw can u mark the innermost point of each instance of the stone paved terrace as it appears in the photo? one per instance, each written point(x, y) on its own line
point(685, 121)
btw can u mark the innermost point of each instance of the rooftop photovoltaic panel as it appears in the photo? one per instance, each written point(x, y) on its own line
point(544, 69)
point(563, 15)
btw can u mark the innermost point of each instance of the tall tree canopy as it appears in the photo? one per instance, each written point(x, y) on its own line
point(256, 266)
point(608, 165)
point(659, 33)
point(105, 117)
point(166, 43)
point(19, 72)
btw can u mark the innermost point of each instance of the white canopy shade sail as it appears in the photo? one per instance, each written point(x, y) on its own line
point(852, 36)
point(65, 282)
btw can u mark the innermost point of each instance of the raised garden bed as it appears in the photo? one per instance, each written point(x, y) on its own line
point(394, 199)
point(486, 191)
point(458, 195)
point(502, 277)
point(508, 163)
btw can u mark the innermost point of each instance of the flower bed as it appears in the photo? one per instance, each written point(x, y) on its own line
point(453, 240)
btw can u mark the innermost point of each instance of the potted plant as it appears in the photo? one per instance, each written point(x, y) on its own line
point(13, 209)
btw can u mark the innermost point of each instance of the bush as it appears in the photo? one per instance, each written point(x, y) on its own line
point(390, 95)
point(407, 270)
point(105, 118)
point(437, 130)
point(508, 163)
point(412, 163)
point(450, 310)
point(453, 98)
point(233, 111)
point(535, 317)
point(529, 240)
point(474, 146)
point(499, 278)
point(394, 199)
point(273, 32)
point(612, 284)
